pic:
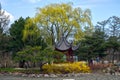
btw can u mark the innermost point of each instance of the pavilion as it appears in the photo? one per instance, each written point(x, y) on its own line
point(64, 46)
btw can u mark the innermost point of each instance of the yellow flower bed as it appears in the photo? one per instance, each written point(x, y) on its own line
point(76, 67)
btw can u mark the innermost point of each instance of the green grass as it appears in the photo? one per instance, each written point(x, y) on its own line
point(6, 69)
point(21, 70)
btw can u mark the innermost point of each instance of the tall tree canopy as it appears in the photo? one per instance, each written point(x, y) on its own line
point(56, 20)
point(111, 26)
point(16, 34)
point(114, 26)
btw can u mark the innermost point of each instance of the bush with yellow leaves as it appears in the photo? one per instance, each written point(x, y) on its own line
point(62, 68)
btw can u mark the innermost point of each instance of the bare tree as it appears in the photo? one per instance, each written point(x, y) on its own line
point(4, 21)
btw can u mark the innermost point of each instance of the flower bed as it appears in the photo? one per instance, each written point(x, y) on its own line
point(63, 68)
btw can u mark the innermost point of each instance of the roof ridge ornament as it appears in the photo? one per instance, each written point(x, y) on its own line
point(64, 45)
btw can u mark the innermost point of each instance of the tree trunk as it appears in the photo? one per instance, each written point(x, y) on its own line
point(113, 56)
point(21, 63)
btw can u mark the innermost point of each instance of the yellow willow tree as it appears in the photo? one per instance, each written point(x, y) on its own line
point(31, 32)
point(58, 20)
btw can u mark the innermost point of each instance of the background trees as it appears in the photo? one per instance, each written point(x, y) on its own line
point(105, 40)
point(111, 27)
point(113, 43)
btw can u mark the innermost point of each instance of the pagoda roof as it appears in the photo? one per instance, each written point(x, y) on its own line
point(64, 45)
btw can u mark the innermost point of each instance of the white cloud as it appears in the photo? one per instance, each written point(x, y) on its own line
point(33, 1)
point(11, 17)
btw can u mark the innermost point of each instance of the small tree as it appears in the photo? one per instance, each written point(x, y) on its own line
point(28, 54)
point(37, 55)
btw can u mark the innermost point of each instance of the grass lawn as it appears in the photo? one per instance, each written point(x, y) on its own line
point(21, 70)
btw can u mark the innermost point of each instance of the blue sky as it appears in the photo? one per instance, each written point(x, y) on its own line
point(100, 9)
